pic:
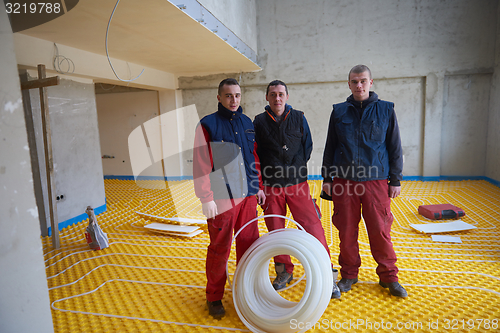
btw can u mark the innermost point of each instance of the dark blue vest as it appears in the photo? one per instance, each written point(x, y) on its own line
point(232, 139)
point(361, 153)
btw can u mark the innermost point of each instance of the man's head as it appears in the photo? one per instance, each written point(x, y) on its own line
point(229, 94)
point(360, 82)
point(277, 95)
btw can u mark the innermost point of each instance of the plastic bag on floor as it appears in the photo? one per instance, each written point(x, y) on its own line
point(96, 238)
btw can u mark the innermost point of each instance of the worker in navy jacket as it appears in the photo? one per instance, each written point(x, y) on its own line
point(362, 167)
point(227, 182)
point(284, 145)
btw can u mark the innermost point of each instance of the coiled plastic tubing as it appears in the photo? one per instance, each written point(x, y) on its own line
point(258, 305)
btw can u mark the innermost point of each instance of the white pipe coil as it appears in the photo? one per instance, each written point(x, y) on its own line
point(258, 305)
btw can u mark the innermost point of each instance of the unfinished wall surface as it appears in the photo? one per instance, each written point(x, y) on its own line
point(24, 297)
point(412, 48)
point(146, 134)
point(119, 114)
point(76, 153)
point(464, 125)
point(301, 41)
point(493, 146)
point(310, 98)
point(167, 103)
point(239, 16)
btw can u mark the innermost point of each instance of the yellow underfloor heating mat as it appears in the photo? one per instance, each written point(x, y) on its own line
point(150, 282)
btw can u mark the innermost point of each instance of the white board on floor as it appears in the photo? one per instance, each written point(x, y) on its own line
point(186, 220)
point(430, 228)
point(182, 220)
point(446, 239)
point(192, 234)
point(172, 229)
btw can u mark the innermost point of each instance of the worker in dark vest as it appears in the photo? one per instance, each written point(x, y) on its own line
point(362, 171)
point(284, 145)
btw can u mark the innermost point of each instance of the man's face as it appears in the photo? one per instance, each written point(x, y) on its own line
point(230, 97)
point(360, 84)
point(277, 97)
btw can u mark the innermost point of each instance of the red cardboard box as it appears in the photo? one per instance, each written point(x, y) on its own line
point(441, 212)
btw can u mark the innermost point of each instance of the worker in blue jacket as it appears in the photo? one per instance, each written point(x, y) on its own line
point(227, 181)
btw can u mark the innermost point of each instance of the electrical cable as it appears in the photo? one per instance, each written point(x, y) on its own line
point(107, 53)
point(258, 305)
point(107, 89)
point(57, 63)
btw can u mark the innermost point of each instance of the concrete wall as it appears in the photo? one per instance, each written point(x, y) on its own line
point(75, 146)
point(493, 146)
point(464, 125)
point(303, 41)
point(24, 297)
point(167, 102)
point(419, 53)
point(310, 98)
point(239, 16)
point(118, 115)
point(146, 134)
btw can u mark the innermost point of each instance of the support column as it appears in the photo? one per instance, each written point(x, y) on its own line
point(172, 156)
point(434, 96)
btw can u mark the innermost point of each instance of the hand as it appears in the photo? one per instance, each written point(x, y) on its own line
point(327, 188)
point(261, 197)
point(394, 191)
point(209, 209)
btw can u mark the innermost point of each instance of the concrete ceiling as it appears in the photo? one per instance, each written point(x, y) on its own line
point(150, 33)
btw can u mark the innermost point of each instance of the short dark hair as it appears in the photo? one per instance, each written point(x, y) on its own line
point(276, 83)
point(359, 69)
point(229, 82)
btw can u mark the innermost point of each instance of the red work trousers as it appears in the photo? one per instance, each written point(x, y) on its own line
point(350, 198)
point(235, 214)
point(299, 201)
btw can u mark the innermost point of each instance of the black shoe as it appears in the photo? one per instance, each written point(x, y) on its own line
point(395, 288)
point(216, 309)
point(335, 291)
point(345, 284)
point(282, 276)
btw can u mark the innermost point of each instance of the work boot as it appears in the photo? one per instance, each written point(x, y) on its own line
point(282, 276)
point(216, 309)
point(395, 288)
point(345, 284)
point(335, 291)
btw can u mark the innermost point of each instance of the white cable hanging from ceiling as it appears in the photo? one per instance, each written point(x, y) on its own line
point(107, 52)
point(258, 305)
